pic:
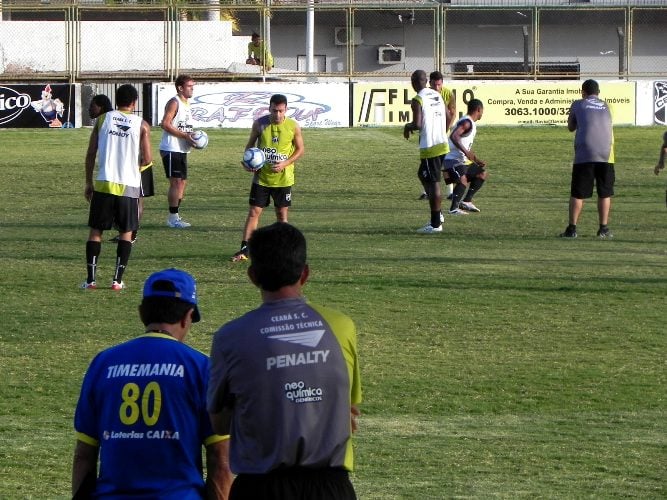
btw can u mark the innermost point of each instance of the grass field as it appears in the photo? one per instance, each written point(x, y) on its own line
point(498, 360)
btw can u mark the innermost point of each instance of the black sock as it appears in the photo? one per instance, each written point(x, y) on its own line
point(244, 246)
point(93, 249)
point(123, 251)
point(571, 227)
point(435, 218)
point(459, 190)
point(475, 186)
point(173, 210)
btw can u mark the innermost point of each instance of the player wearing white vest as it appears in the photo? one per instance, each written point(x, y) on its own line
point(175, 145)
point(462, 167)
point(119, 139)
point(429, 116)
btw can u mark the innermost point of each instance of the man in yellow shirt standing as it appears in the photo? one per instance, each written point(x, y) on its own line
point(279, 136)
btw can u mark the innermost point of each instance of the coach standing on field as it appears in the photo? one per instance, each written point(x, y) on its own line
point(591, 121)
point(285, 382)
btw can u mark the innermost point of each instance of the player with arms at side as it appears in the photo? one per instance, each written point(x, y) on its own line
point(429, 117)
point(661, 159)
point(279, 136)
point(122, 140)
point(593, 163)
point(291, 422)
point(462, 167)
point(175, 145)
point(142, 408)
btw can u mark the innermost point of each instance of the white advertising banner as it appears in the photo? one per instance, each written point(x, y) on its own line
point(238, 104)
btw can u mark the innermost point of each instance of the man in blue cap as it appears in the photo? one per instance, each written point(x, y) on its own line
point(142, 408)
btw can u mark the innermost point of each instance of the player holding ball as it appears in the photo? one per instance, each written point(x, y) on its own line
point(279, 136)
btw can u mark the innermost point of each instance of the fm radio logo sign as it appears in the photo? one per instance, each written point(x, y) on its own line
point(660, 102)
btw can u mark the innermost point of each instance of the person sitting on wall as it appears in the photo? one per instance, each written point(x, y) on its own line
point(258, 52)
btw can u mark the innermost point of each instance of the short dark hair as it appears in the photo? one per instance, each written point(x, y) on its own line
point(436, 75)
point(157, 309)
point(418, 76)
point(181, 80)
point(278, 99)
point(474, 105)
point(590, 87)
point(255, 35)
point(126, 94)
point(103, 102)
point(277, 255)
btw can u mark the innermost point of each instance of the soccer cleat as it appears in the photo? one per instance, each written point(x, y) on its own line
point(240, 256)
point(177, 223)
point(467, 205)
point(429, 229)
point(88, 286)
point(117, 286)
point(457, 211)
point(423, 196)
point(605, 234)
point(569, 233)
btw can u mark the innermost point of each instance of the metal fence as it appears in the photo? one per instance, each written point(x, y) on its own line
point(142, 40)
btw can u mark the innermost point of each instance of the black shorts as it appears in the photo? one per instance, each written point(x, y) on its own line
point(294, 483)
point(175, 164)
point(454, 170)
point(147, 184)
point(260, 196)
point(430, 169)
point(584, 175)
point(108, 210)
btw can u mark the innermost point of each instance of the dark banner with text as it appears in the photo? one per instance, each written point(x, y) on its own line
point(37, 106)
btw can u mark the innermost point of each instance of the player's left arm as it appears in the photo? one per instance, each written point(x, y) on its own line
point(84, 470)
point(218, 474)
point(571, 119)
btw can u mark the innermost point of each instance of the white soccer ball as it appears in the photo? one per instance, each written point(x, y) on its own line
point(254, 158)
point(200, 139)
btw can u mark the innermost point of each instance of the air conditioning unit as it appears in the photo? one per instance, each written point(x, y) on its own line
point(390, 54)
point(342, 36)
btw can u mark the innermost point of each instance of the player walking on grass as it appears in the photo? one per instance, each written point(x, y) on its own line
point(591, 121)
point(142, 408)
point(175, 145)
point(120, 139)
point(462, 167)
point(285, 380)
point(280, 138)
point(429, 117)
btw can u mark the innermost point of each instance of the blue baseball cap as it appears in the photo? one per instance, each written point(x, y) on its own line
point(173, 283)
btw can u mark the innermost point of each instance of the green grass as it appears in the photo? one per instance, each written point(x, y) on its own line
point(498, 361)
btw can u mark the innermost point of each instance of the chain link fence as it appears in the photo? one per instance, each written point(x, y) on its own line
point(145, 40)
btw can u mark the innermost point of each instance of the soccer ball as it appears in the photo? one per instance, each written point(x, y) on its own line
point(254, 158)
point(200, 138)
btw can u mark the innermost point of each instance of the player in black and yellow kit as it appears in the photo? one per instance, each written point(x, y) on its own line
point(280, 138)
